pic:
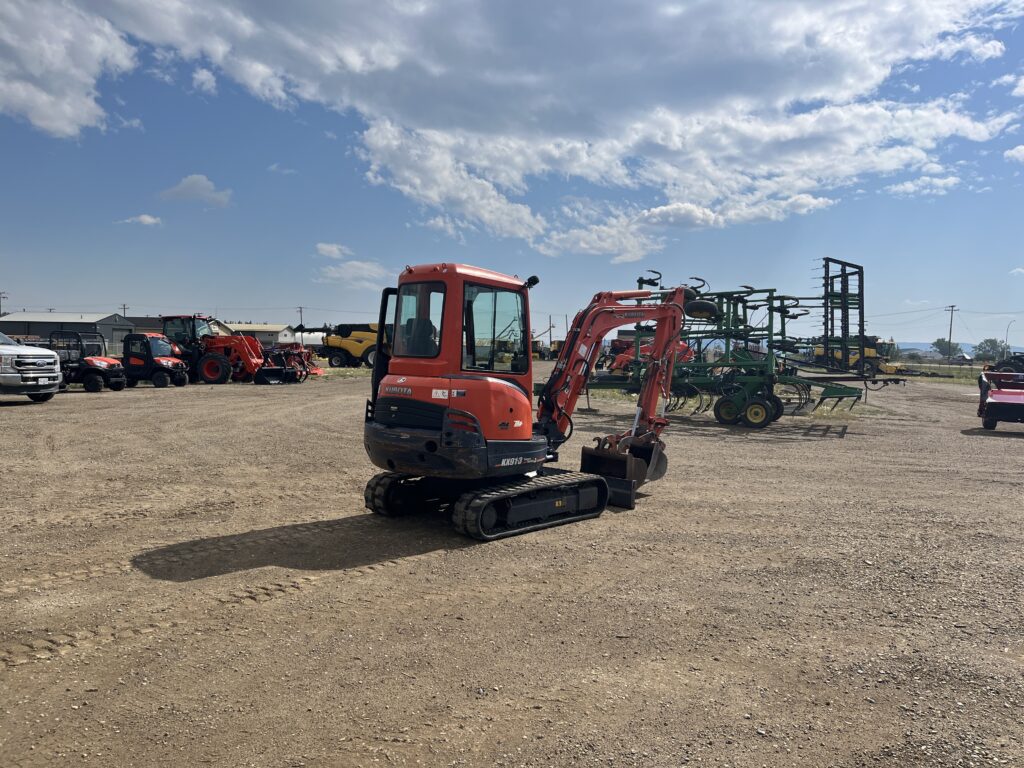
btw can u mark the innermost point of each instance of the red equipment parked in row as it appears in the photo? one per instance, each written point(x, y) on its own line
point(151, 357)
point(451, 414)
point(217, 359)
point(84, 360)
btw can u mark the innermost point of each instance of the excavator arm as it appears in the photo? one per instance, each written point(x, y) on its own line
point(635, 455)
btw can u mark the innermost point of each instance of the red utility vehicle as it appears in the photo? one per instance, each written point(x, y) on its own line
point(84, 360)
point(451, 414)
point(1002, 398)
point(151, 357)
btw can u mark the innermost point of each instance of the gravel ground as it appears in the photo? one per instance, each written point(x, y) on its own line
point(188, 577)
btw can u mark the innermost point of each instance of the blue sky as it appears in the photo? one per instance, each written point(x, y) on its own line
point(248, 158)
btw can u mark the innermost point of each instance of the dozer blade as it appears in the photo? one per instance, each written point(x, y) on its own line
point(623, 473)
point(273, 375)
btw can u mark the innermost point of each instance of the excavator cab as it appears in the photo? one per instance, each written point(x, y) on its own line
point(452, 391)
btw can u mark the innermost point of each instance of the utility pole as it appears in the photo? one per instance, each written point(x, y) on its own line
point(2, 297)
point(949, 339)
point(124, 310)
point(300, 316)
point(1006, 339)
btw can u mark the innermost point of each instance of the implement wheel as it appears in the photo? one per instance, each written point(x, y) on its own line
point(214, 368)
point(337, 360)
point(726, 411)
point(757, 413)
point(778, 405)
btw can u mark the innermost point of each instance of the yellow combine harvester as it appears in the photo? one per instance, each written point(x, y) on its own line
point(348, 344)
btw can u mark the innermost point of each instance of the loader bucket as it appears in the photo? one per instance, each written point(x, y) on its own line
point(276, 375)
point(625, 471)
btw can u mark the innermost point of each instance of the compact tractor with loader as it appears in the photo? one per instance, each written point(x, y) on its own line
point(216, 359)
point(450, 416)
point(151, 357)
point(84, 360)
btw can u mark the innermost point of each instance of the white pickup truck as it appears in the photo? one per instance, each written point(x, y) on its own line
point(31, 371)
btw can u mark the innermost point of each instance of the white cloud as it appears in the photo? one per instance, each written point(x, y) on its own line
point(134, 123)
point(204, 81)
point(51, 56)
point(354, 273)
point(1017, 271)
point(198, 187)
point(706, 114)
point(144, 219)
point(1017, 153)
point(918, 303)
point(333, 250)
point(924, 185)
point(278, 168)
point(330, 135)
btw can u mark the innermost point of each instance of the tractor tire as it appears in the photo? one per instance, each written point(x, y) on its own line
point(118, 385)
point(133, 382)
point(757, 413)
point(214, 368)
point(369, 356)
point(180, 379)
point(161, 379)
point(41, 397)
point(989, 423)
point(726, 411)
point(778, 405)
point(93, 382)
point(338, 359)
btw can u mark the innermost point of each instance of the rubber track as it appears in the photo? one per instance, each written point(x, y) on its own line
point(468, 508)
point(376, 490)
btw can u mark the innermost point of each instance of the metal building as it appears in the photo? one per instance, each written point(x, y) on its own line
point(267, 334)
point(113, 327)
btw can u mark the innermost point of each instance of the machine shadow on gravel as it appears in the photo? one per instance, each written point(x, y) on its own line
point(328, 545)
point(980, 432)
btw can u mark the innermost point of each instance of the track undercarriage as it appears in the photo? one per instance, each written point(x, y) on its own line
point(489, 509)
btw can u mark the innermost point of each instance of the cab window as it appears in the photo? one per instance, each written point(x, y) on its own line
point(419, 313)
point(175, 330)
point(494, 336)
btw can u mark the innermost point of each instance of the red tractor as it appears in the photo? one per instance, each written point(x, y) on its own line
point(451, 417)
point(216, 359)
point(151, 357)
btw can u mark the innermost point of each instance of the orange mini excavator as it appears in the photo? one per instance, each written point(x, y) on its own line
point(451, 416)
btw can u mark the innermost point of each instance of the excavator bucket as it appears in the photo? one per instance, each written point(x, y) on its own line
point(275, 375)
point(625, 471)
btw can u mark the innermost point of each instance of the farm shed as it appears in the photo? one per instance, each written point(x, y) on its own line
point(267, 334)
point(113, 327)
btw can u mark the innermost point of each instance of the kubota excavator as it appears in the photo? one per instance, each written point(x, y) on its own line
point(451, 413)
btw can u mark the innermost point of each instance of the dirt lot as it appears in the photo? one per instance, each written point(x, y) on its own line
point(188, 577)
